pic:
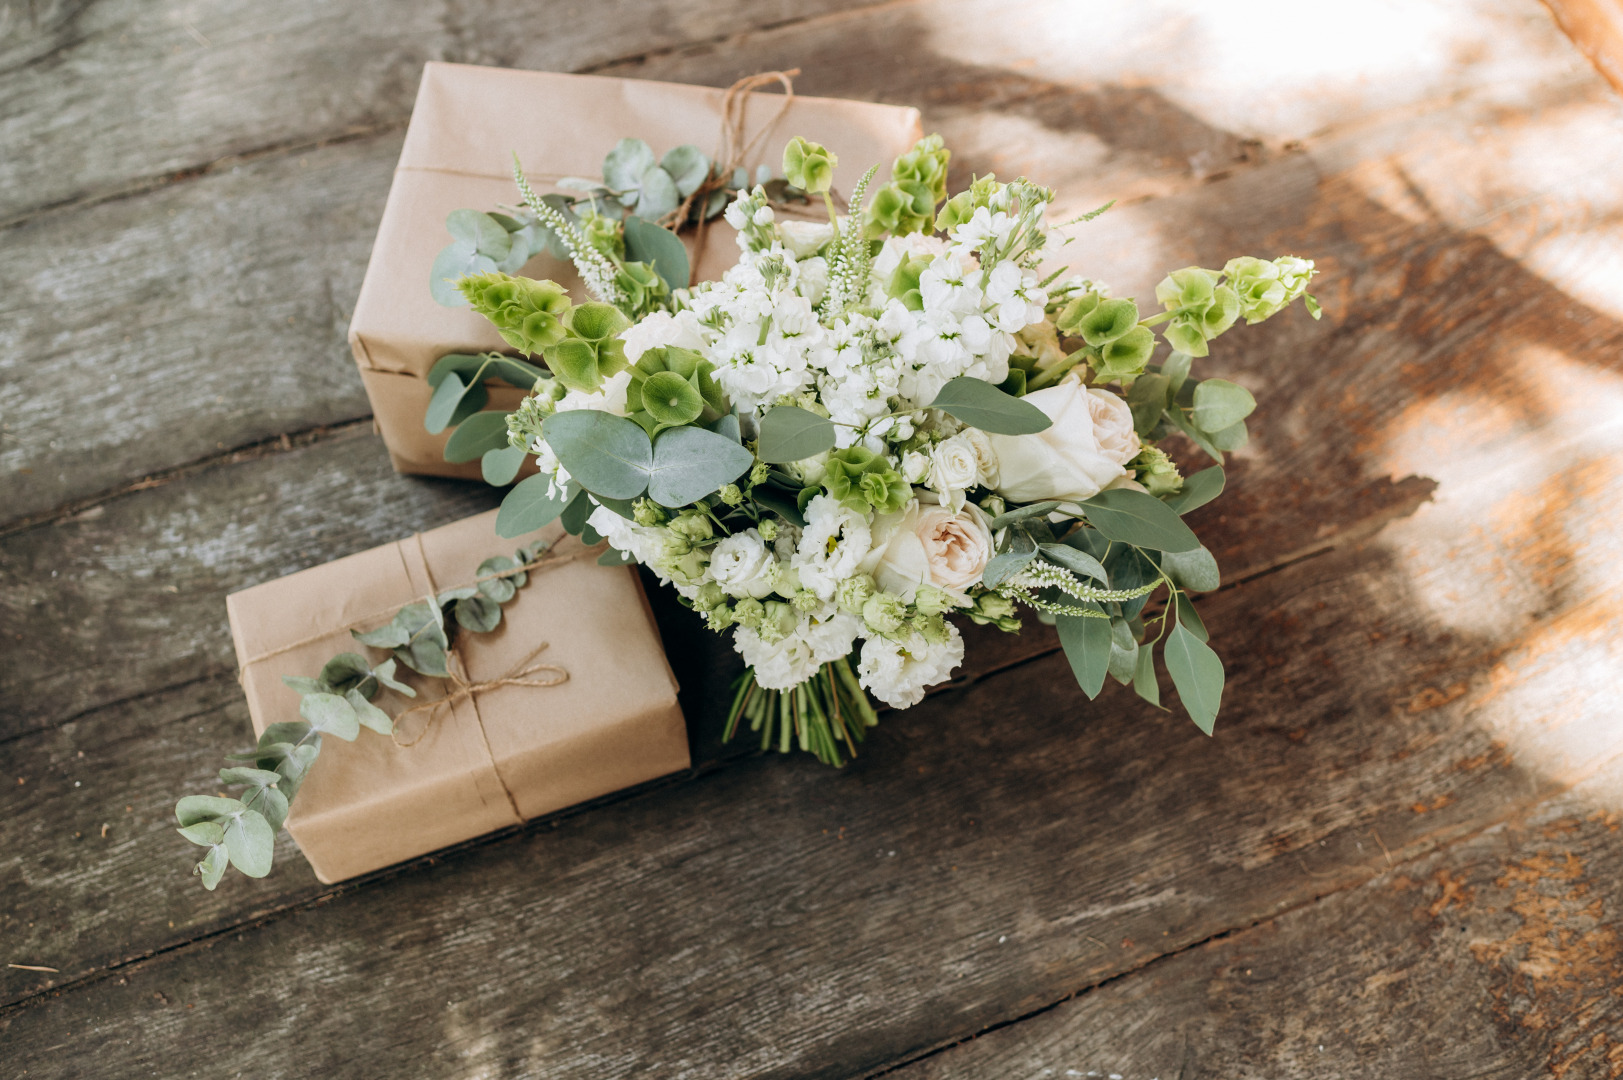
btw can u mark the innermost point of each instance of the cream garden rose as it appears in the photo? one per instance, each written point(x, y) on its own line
point(1087, 448)
point(929, 545)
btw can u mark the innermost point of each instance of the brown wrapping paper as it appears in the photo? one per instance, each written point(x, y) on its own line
point(467, 123)
point(370, 803)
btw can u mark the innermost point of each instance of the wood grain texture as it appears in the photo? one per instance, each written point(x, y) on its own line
point(1091, 839)
point(229, 78)
point(1596, 27)
point(1497, 958)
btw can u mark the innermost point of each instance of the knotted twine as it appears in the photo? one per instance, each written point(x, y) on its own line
point(456, 671)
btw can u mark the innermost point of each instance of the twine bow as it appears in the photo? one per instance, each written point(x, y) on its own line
point(461, 688)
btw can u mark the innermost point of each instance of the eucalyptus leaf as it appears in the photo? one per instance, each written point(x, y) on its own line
point(194, 808)
point(1079, 562)
point(573, 519)
point(447, 396)
point(384, 673)
point(728, 426)
point(269, 802)
point(1230, 438)
point(1021, 514)
point(212, 868)
point(330, 715)
point(1133, 517)
point(690, 463)
point(1198, 490)
point(980, 404)
point(615, 557)
point(204, 833)
point(1197, 675)
point(607, 454)
point(1193, 570)
point(1087, 647)
point(1220, 404)
point(306, 685)
point(479, 229)
point(623, 169)
point(687, 166)
point(479, 614)
point(369, 714)
point(290, 731)
point(1189, 617)
point(790, 433)
point(1123, 652)
point(499, 589)
point(345, 672)
point(453, 263)
point(1005, 565)
point(660, 248)
point(528, 507)
point(251, 777)
point(1130, 569)
point(500, 466)
point(477, 434)
point(781, 502)
point(657, 195)
point(251, 843)
point(1145, 684)
point(1176, 369)
point(1148, 401)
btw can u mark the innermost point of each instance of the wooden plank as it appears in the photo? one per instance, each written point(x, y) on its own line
point(1596, 27)
point(1041, 845)
point(127, 95)
point(1497, 958)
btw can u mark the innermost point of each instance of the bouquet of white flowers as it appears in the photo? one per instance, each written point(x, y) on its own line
point(872, 424)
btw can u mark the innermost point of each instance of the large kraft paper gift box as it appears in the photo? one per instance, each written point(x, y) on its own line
point(485, 761)
point(467, 124)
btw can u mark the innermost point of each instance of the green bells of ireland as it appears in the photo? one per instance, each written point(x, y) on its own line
point(862, 480)
point(530, 315)
point(904, 281)
point(592, 349)
point(809, 166)
point(672, 386)
point(1201, 308)
point(1265, 288)
point(918, 182)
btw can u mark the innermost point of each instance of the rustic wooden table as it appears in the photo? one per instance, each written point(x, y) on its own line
point(1399, 855)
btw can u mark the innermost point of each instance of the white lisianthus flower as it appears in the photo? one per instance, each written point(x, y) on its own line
point(929, 545)
point(835, 540)
point(899, 672)
point(792, 659)
point(805, 238)
point(915, 467)
point(743, 566)
point(1088, 446)
point(954, 468)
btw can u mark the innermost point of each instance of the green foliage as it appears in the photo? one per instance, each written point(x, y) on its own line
point(789, 433)
point(863, 480)
point(827, 715)
point(980, 404)
point(339, 702)
point(1132, 517)
point(589, 349)
point(613, 457)
point(529, 314)
point(671, 386)
point(648, 243)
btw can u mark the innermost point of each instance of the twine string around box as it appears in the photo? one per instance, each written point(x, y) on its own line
point(456, 671)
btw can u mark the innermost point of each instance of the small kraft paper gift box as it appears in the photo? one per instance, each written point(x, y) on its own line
point(467, 125)
point(602, 715)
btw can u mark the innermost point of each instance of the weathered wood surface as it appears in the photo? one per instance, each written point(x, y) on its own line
point(1397, 705)
point(1498, 958)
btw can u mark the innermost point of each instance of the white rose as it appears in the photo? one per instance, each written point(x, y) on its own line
point(953, 468)
point(915, 467)
point(929, 545)
point(743, 566)
point(1088, 446)
point(986, 470)
point(805, 238)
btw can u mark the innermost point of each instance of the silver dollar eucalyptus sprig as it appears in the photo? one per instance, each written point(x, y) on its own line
point(241, 831)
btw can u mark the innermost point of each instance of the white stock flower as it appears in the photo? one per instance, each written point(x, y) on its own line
point(899, 672)
point(660, 329)
point(984, 229)
point(836, 539)
point(609, 398)
point(743, 566)
point(1088, 446)
point(1016, 300)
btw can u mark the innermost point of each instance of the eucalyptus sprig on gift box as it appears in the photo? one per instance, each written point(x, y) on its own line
point(241, 831)
point(879, 421)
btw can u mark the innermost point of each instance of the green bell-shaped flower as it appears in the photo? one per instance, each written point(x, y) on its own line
point(809, 166)
point(1125, 357)
point(1108, 321)
point(899, 208)
point(862, 480)
point(926, 166)
point(592, 351)
point(904, 281)
point(530, 315)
